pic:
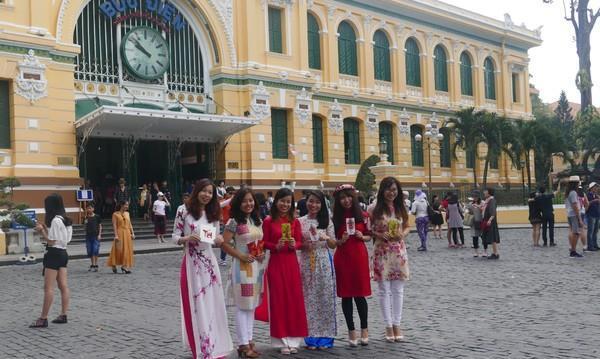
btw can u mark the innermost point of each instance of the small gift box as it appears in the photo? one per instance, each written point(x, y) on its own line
point(286, 232)
point(256, 248)
point(393, 226)
point(350, 226)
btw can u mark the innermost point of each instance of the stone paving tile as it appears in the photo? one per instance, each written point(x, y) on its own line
point(532, 303)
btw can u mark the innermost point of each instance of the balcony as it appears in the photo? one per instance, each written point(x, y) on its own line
point(349, 82)
point(442, 97)
point(467, 101)
point(384, 87)
point(413, 91)
point(490, 105)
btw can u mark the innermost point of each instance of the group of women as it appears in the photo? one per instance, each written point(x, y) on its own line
point(288, 271)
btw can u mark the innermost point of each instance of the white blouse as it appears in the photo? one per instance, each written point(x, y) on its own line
point(60, 233)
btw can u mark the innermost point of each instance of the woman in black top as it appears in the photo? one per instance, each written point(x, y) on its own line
point(535, 218)
point(437, 219)
point(489, 224)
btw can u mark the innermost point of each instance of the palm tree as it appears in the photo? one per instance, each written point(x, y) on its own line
point(496, 133)
point(522, 143)
point(466, 126)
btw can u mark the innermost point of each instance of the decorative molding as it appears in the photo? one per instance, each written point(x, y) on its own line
point(334, 121)
point(31, 81)
point(310, 4)
point(403, 123)
point(303, 108)
point(331, 11)
point(260, 107)
point(372, 122)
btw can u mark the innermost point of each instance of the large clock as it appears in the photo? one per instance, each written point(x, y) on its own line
point(145, 53)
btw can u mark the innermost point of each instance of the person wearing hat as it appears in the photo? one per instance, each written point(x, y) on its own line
point(593, 216)
point(573, 214)
point(160, 216)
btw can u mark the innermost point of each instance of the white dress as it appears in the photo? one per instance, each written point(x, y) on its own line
point(204, 317)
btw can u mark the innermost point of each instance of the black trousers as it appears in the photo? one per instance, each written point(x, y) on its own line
point(461, 231)
point(548, 223)
point(476, 243)
point(361, 307)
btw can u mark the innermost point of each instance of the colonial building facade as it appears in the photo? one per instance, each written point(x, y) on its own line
point(252, 91)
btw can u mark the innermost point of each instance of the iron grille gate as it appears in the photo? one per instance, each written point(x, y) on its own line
point(100, 42)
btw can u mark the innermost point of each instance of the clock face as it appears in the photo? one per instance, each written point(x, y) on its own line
point(145, 53)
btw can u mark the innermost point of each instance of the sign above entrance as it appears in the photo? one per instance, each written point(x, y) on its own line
point(166, 13)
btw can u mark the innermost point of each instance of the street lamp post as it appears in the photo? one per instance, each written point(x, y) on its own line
point(429, 136)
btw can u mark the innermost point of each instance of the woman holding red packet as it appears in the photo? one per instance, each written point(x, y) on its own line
point(351, 259)
point(318, 276)
point(243, 242)
point(390, 261)
point(287, 315)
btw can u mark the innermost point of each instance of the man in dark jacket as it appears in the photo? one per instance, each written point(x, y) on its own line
point(593, 216)
point(544, 201)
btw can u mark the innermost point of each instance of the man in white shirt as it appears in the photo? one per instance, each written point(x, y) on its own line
point(160, 216)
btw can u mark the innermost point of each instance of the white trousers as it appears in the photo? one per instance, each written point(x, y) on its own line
point(391, 295)
point(244, 321)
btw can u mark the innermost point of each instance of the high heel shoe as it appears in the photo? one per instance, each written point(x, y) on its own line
point(114, 269)
point(123, 270)
point(398, 335)
point(389, 335)
point(352, 341)
point(245, 351)
point(364, 337)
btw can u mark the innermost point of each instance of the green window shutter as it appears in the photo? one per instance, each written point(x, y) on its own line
point(440, 69)
point(351, 142)
point(347, 55)
point(314, 43)
point(4, 115)
point(275, 32)
point(515, 87)
point(381, 57)
point(416, 146)
point(279, 133)
point(490, 79)
point(470, 158)
point(317, 131)
point(445, 156)
point(386, 133)
point(466, 75)
point(413, 63)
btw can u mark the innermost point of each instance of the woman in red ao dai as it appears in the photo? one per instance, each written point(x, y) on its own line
point(351, 259)
point(287, 315)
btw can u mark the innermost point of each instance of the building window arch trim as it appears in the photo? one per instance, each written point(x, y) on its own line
point(440, 67)
point(413, 65)
point(382, 55)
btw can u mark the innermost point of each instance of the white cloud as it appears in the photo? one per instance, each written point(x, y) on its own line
point(554, 64)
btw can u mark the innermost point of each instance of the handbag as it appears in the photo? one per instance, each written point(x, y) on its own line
point(468, 220)
point(484, 226)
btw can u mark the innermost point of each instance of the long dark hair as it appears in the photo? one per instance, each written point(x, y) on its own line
point(283, 192)
point(236, 207)
point(120, 205)
point(54, 206)
point(338, 209)
point(323, 215)
point(212, 208)
point(381, 207)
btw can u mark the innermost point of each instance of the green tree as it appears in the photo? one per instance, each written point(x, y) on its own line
point(521, 143)
point(466, 126)
point(365, 179)
point(563, 110)
point(496, 133)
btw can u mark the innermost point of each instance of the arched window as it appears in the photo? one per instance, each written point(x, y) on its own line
point(317, 130)
point(489, 77)
point(445, 150)
point(416, 146)
point(466, 75)
point(386, 134)
point(347, 59)
point(351, 142)
point(413, 63)
point(381, 56)
point(279, 133)
point(314, 43)
point(440, 67)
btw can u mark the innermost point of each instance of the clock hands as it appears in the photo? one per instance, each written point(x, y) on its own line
point(140, 47)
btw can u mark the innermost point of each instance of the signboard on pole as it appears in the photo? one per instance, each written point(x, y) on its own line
point(85, 195)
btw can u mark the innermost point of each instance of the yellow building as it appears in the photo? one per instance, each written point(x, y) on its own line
point(252, 91)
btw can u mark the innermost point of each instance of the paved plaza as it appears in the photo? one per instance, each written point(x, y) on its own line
point(532, 303)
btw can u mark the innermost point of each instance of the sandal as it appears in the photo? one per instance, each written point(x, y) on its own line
point(294, 350)
point(61, 319)
point(398, 336)
point(245, 351)
point(285, 351)
point(389, 335)
point(39, 323)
